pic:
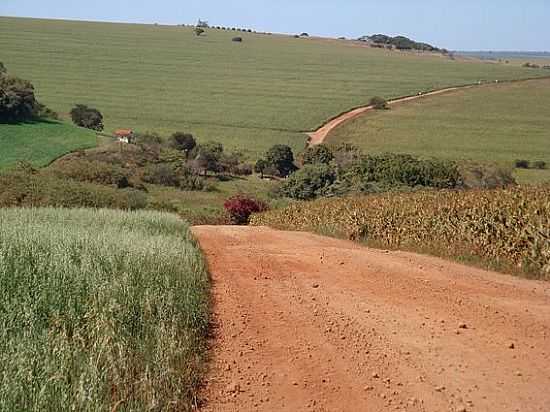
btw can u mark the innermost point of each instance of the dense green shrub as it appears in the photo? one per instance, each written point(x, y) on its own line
point(184, 142)
point(346, 154)
point(486, 176)
point(206, 157)
point(400, 42)
point(521, 164)
point(317, 154)
point(17, 99)
point(281, 157)
point(170, 175)
point(148, 139)
point(160, 174)
point(187, 180)
point(243, 169)
point(309, 182)
point(24, 189)
point(92, 171)
point(88, 117)
point(260, 167)
point(402, 170)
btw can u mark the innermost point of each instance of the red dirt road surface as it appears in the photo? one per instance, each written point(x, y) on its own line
point(307, 323)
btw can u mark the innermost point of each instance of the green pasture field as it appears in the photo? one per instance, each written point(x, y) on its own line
point(497, 123)
point(267, 89)
point(100, 311)
point(41, 142)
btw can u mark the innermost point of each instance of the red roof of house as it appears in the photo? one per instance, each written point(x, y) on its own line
point(124, 132)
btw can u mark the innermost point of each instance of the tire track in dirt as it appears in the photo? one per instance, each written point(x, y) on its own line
point(307, 323)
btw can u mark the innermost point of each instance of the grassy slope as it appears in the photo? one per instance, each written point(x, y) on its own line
point(496, 123)
point(40, 142)
point(99, 307)
point(249, 95)
point(207, 207)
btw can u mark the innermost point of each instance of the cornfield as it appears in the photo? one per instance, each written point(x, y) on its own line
point(506, 229)
point(100, 311)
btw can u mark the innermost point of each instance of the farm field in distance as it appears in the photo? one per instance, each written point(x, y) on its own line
point(249, 96)
point(499, 123)
point(41, 142)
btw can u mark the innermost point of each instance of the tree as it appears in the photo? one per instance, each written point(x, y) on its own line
point(309, 182)
point(198, 31)
point(203, 24)
point(17, 100)
point(207, 157)
point(184, 142)
point(346, 154)
point(260, 167)
point(282, 158)
point(87, 117)
point(319, 154)
point(379, 103)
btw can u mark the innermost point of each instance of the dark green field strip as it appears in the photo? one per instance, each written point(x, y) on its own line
point(41, 143)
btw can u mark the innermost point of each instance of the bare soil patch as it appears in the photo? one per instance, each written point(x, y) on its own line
point(307, 323)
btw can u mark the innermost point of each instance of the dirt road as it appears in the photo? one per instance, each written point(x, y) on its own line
point(307, 323)
point(318, 137)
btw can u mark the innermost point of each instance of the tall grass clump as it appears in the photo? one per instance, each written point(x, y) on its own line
point(101, 310)
point(505, 229)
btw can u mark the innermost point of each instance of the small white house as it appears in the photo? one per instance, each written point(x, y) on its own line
point(124, 135)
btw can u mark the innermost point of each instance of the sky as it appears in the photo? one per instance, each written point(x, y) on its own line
point(453, 24)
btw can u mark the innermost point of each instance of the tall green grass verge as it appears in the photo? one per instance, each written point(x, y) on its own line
point(100, 310)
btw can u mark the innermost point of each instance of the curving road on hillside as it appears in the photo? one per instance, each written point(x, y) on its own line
point(319, 136)
point(308, 323)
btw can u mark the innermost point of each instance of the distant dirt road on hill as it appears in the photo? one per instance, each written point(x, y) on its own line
point(307, 323)
point(318, 137)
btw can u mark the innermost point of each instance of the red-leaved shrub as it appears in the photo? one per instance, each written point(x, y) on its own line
point(240, 207)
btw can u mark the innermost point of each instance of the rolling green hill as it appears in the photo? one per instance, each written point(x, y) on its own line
point(249, 96)
point(494, 123)
point(41, 142)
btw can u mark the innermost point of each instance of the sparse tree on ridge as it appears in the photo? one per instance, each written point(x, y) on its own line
point(379, 103)
point(203, 24)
